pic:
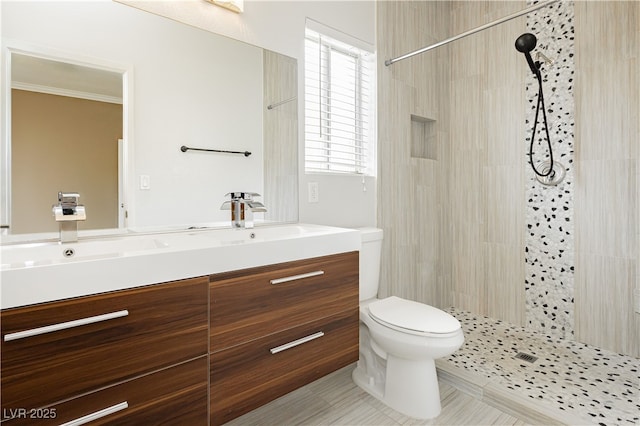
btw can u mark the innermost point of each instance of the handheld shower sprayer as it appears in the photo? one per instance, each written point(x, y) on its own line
point(525, 44)
point(551, 172)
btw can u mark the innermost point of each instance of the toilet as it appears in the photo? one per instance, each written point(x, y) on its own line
point(399, 341)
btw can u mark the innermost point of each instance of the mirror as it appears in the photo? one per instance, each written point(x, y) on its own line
point(179, 86)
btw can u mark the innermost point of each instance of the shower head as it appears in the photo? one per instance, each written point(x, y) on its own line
point(525, 44)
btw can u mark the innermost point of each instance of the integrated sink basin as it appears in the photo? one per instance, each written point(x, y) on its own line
point(261, 234)
point(38, 254)
point(46, 271)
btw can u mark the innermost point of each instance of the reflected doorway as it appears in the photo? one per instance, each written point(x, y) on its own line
point(66, 135)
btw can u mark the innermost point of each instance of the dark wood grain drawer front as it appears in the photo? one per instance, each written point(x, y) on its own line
point(128, 333)
point(247, 376)
point(173, 396)
point(248, 304)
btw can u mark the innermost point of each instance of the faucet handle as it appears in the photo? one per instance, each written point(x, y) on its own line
point(242, 195)
point(68, 198)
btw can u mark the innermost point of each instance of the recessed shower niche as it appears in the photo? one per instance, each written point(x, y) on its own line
point(423, 138)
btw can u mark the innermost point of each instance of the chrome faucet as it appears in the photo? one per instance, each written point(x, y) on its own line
point(242, 206)
point(67, 213)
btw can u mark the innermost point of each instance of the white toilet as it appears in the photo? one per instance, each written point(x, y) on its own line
point(399, 341)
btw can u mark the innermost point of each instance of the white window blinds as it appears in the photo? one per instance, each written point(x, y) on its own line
point(338, 106)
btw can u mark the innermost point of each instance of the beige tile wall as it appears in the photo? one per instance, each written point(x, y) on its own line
point(486, 202)
point(454, 226)
point(411, 190)
point(606, 193)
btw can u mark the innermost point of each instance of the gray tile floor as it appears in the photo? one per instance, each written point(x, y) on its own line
point(599, 386)
point(336, 400)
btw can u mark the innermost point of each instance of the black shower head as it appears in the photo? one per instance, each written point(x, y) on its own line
point(525, 44)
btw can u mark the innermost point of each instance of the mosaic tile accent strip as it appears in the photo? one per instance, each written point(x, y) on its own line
point(549, 245)
point(599, 386)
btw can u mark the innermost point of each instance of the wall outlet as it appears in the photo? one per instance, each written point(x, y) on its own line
point(314, 195)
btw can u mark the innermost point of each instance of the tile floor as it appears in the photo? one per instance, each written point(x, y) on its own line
point(570, 383)
point(336, 400)
point(597, 386)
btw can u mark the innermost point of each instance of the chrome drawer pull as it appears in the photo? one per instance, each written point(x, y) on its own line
point(296, 277)
point(296, 342)
point(97, 415)
point(64, 325)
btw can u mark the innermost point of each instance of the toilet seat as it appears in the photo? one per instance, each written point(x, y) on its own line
point(413, 317)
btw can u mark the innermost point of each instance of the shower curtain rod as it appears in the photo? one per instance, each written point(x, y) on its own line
point(473, 31)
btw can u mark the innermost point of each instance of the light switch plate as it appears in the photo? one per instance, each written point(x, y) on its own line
point(145, 182)
point(314, 195)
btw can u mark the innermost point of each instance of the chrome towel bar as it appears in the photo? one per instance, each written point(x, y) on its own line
point(277, 104)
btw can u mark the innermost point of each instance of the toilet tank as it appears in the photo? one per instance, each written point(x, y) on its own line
point(370, 253)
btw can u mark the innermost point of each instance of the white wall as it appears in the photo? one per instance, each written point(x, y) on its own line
point(279, 26)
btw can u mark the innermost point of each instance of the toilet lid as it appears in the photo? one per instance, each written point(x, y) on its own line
point(413, 316)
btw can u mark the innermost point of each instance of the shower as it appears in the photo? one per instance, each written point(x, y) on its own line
point(548, 172)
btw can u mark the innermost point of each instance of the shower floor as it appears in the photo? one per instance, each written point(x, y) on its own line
point(570, 382)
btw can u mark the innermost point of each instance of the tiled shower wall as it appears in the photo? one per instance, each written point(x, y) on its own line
point(457, 222)
point(607, 190)
point(411, 189)
point(549, 242)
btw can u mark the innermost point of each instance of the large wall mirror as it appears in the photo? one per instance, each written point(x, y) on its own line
point(99, 99)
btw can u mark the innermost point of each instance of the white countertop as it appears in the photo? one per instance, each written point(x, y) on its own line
point(38, 272)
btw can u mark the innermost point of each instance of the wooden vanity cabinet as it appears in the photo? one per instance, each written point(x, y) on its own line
point(279, 327)
point(146, 340)
point(171, 396)
point(194, 352)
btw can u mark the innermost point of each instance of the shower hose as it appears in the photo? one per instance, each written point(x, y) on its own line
point(546, 128)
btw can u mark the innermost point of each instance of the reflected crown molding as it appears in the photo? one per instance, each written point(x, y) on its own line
point(66, 92)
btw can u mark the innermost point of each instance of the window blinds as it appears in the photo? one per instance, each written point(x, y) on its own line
point(338, 106)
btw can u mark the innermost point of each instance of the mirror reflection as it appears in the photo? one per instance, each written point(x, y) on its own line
point(66, 132)
point(182, 86)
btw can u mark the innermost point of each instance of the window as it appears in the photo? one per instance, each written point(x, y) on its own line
point(339, 106)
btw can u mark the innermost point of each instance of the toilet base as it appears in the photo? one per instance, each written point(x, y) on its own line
point(409, 387)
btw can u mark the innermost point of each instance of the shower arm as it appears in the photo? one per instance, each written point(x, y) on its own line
point(545, 58)
point(472, 31)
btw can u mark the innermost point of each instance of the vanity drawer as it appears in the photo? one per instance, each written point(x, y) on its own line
point(247, 376)
point(176, 395)
point(251, 303)
point(144, 329)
